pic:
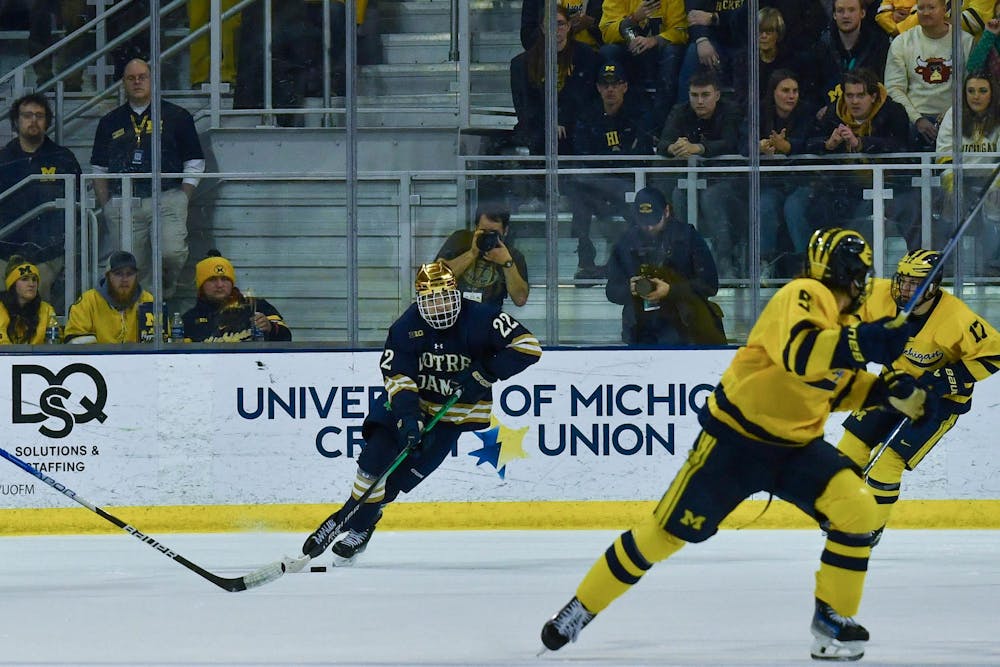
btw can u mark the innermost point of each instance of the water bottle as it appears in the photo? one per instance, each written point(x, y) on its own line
point(256, 333)
point(52, 334)
point(177, 329)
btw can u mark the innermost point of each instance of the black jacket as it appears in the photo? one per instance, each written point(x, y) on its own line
point(208, 323)
point(832, 59)
point(681, 256)
point(719, 134)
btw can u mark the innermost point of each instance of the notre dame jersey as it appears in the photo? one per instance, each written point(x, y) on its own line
point(950, 334)
point(780, 387)
point(420, 363)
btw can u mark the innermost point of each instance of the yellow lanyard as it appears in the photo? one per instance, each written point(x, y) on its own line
point(138, 128)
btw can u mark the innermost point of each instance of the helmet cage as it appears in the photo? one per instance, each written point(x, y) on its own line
point(440, 309)
point(915, 265)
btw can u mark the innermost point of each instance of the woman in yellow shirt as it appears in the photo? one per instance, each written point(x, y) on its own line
point(23, 314)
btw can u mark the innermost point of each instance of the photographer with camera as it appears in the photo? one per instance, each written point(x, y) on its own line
point(662, 273)
point(488, 270)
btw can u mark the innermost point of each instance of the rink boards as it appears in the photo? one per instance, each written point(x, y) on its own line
point(257, 440)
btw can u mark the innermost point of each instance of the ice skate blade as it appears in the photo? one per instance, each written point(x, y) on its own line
point(340, 561)
point(831, 650)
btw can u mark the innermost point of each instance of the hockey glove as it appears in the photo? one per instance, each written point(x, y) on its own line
point(903, 394)
point(870, 342)
point(410, 432)
point(946, 380)
point(473, 383)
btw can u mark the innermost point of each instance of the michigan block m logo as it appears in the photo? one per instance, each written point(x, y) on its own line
point(689, 519)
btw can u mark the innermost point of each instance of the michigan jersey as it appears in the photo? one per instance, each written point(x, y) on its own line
point(780, 386)
point(950, 334)
point(420, 363)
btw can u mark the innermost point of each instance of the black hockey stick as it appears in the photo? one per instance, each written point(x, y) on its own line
point(256, 578)
point(333, 525)
point(915, 300)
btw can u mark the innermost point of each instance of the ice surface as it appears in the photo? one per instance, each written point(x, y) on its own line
point(480, 598)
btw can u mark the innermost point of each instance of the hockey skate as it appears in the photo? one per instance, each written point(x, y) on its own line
point(565, 626)
point(836, 637)
point(350, 546)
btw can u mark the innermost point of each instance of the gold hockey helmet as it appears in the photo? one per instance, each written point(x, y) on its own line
point(912, 270)
point(841, 259)
point(438, 299)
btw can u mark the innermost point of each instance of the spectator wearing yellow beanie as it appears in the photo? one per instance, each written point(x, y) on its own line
point(23, 314)
point(223, 314)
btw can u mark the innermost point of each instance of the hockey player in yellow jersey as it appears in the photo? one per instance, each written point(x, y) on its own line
point(952, 348)
point(762, 429)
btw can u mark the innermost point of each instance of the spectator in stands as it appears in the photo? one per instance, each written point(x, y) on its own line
point(122, 145)
point(975, 13)
point(893, 14)
point(198, 15)
point(786, 121)
point(577, 68)
point(69, 15)
point(223, 314)
point(849, 43)
point(487, 268)
point(773, 56)
point(649, 37)
point(863, 120)
point(985, 54)
point(24, 316)
point(111, 312)
point(919, 69)
point(805, 21)
point(41, 239)
point(338, 41)
point(615, 123)
point(662, 273)
point(584, 17)
point(708, 126)
point(980, 136)
point(717, 39)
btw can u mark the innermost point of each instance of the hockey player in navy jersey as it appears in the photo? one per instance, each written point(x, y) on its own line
point(440, 345)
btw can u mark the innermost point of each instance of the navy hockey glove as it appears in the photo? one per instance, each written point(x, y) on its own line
point(946, 380)
point(870, 342)
point(473, 383)
point(410, 432)
point(900, 391)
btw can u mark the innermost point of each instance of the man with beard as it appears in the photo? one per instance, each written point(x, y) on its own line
point(662, 273)
point(223, 314)
point(42, 239)
point(109, 313)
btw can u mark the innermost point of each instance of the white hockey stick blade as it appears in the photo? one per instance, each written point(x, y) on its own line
point(264, 575)
point(293, 565)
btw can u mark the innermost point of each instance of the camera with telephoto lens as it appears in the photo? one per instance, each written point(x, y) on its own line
point(488, 241)
point(644, 284)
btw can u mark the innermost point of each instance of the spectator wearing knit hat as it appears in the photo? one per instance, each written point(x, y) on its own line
point(109, 313)
point(223, 314)
point(23, 314)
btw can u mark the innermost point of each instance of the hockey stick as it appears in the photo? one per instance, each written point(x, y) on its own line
point(925, 284)
point(333, 525)
point(256, 578)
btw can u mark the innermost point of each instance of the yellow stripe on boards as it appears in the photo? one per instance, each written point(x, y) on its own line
point(583, 515)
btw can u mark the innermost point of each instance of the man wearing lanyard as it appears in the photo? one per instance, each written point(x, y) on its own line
point(123, 144)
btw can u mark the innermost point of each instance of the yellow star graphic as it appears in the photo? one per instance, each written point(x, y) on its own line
point(511, 442)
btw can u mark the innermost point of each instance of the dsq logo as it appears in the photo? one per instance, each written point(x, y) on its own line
point(54, 400)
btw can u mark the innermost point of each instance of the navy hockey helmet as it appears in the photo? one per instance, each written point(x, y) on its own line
point(438, 299)
point(913, 269)
point(841, 259)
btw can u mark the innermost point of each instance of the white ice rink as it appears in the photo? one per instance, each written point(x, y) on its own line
point(480, 598)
